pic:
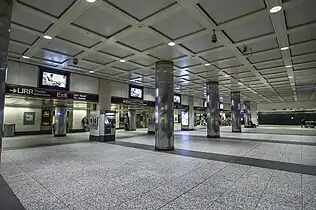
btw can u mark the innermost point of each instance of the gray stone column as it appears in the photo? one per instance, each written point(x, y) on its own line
point(5, 21)
point(132, 120)
point(164, 127)
point(213, 118)
point(247, 114)
point(235, 108)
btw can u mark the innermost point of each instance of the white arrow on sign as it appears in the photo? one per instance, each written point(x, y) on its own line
point(13, 90)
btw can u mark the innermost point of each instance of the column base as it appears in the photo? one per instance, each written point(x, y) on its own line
point(59, 135)
point(102, 138)
point(187, 129)
point(213, 136)
point(164, 149)
point(151, 132)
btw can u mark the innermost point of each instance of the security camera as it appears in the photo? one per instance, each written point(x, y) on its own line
point(75, 61)
point(245, 49)
point(214, 37)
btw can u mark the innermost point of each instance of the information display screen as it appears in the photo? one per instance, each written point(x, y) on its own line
point(54, 80)
point(136, 92)
point(177, 99)
point(185, 118)
point(221, 106)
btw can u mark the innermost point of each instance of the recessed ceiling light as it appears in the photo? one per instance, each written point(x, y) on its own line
point(47, 37)
point(171, 44)
point(226, 75)
point(207, 64)
point(284, 48)
point(275, 9)
point(91, 71)
point(90, 1)
point(122, 61)
point(239, 83)
point(290, 77)
point(289, 66)
point(25, 57)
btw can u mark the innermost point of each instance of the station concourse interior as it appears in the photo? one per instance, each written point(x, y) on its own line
point(158, 104)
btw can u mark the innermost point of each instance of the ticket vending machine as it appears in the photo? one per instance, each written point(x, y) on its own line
point(102, 128)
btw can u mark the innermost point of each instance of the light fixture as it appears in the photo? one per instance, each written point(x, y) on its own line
point(207, 64)
point(226, 75)
point(275, 9)
point(288, 66)
point(122, 61)
point(25, 57)
point(284, 48)
point(91, 1)
point(239, 83)
point(91, 71)
point(171, 44)
point(47, 37)
point(290, 77)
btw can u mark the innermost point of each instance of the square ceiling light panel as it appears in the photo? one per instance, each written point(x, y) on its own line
point(201, 43)
point(98, 58)
point(29, 19)
point(140, 40)
point(304, 48)
point(144, 61)
point(51, 56)
point(63, 47)
point(124, 66)
point(272, 64)
point(178, 25)
point(111, 72)
point(186, 62)
point(228, 63)
point(145, 72)
point(22, 36)
point(265, 56)
point(198, 69)
point(304, 58)
point(140, 9)
point(304, 35)
point(217, 54)
point(301, 14)
point(114, 49)
point(16, 47)
point(166, 53)
point(225, 10)
point(100, 22)
point(260, 24)
point(55, 7)
point(74, 36)
point(266, 44)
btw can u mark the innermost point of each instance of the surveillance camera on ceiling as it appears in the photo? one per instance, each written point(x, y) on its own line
point(214, 37)
point(75, 61)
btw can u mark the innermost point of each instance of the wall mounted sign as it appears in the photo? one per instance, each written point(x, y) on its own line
point(47, 93)
point(46, 117)
point(130, 101)
point(28, 118)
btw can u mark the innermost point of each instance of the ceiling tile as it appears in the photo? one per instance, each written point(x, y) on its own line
point(174, 28)
point(100, 22)
point(78, 38)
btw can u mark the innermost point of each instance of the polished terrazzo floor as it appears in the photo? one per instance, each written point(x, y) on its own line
point(201, 174)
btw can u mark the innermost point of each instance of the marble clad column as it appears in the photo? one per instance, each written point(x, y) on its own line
point(164, 127)
point(213, 118)
point(247, 114)
point(235, 108)
point(5, 18)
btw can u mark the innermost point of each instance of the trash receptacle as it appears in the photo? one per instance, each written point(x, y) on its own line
point(8, 130)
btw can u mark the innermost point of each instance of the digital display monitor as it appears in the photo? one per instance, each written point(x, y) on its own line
point(136, 92)
point(177, 99)
point(221, 106)
point(54, 79)
point(185, 118)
